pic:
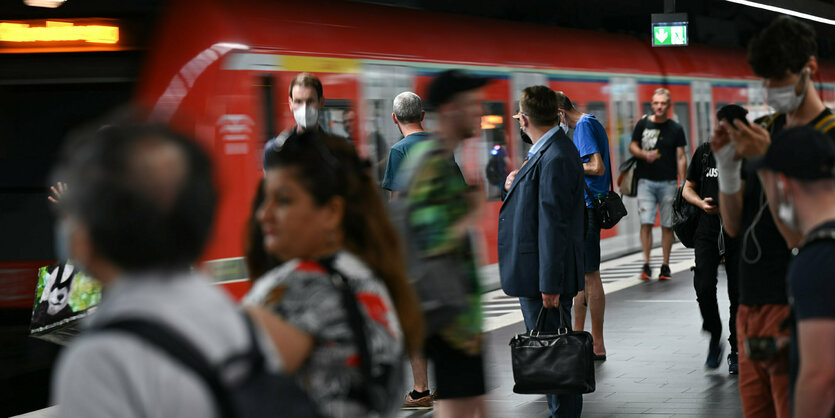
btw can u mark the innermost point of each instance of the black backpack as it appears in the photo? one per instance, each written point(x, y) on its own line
point(241, 386)
point(685, 215)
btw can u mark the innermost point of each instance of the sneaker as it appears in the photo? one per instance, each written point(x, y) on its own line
point(665, 273)
point(714, 353)
point(646, 272)
point(733, 363)
point(425, 402)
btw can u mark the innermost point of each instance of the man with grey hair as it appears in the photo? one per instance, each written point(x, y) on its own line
point(408, 116)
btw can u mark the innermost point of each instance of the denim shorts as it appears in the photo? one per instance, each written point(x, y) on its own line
point(656, 194)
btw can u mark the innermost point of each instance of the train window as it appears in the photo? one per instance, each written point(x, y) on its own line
point(598, 109)
point(377, 142)
point(266, 88)
point(681, 114)
point(494, 149)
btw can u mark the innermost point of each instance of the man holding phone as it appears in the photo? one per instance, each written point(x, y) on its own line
point(784, 55)
point(712, 243)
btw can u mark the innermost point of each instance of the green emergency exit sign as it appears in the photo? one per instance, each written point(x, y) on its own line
point(669, 29)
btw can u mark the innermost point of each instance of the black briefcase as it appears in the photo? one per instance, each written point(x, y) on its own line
point(557, 362)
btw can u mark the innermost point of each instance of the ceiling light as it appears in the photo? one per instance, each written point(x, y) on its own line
point(44, 3)
point(784, 11)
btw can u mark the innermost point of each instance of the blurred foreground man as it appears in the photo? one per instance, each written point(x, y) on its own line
point(798, 175)
point(443, 209)
point(784, 55)
point(541, 225)
point(137, 217)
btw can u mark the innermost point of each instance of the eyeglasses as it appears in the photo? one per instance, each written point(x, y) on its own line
point(518, 116)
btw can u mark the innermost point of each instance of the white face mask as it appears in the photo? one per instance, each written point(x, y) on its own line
point(784, 99)
point(306, 116)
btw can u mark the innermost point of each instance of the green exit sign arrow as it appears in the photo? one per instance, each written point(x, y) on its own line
point(669, 29)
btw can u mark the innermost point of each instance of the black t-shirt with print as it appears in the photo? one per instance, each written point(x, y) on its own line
point(666, 138)
point(765, 254)
point(702, 172)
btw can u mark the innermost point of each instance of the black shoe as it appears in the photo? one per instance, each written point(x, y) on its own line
point(646, 272)
point(665, 273)
point(714, 354)
point(733, 363)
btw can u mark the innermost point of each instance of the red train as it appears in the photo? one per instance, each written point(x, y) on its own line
point(219, 70)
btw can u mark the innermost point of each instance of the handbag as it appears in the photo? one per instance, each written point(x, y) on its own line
point(552, 362)
point(608, 208)
point(628, 179)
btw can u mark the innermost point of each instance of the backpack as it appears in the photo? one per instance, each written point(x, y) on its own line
point(685, 215)
point(242, 386)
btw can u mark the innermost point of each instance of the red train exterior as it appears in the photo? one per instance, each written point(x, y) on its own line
point(356, 49)
point(219, 70)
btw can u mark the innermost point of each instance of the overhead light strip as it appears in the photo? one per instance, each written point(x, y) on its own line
point(784, 11)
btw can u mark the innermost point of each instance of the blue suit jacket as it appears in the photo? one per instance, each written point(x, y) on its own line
point(541, 224)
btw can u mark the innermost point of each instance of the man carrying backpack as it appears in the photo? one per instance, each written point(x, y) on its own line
point(711, 242)
point(137, 217)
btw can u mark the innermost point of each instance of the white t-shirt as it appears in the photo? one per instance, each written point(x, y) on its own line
point(112, 374)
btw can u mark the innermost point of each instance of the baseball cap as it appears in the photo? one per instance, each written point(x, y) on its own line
point(802, 153)
point(449, 83)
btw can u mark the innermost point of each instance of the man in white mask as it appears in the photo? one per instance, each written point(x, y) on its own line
point(306, 100)
point(798, 175)
point(784, 55)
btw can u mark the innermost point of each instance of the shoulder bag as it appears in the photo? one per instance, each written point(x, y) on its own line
point(552, 362)
point(608, 208)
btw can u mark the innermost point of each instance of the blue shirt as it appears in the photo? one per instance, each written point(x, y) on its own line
point(397, 155)
point(591, 138)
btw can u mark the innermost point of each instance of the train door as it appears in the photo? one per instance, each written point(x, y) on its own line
point(518, 82)
point(380, 84)
point(702, 99)
point(624, 108)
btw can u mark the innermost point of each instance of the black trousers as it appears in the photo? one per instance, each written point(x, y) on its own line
point(705, 276)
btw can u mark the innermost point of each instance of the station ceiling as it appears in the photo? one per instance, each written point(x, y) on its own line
point(711, 22)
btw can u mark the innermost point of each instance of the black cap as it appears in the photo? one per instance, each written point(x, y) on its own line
point(449, 83)
point(802, 153)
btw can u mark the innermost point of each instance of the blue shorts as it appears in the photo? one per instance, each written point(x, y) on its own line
point(591, 243)
point(653, 195)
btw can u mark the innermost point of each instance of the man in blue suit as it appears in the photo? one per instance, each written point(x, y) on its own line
point(541, 225)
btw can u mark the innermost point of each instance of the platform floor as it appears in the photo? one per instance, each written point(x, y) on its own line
point(655, 348)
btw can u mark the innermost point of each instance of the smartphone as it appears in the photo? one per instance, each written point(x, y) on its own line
point(761, 348)
point(731, 112)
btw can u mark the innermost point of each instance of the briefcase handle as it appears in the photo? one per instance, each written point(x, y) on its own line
point(540, 323)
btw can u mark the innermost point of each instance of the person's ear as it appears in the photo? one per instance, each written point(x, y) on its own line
point(394, 118)
point(81, 244)
point(812, 66)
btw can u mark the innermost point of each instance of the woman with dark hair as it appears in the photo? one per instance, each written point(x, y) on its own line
point(322, 213)
point(258, 260)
